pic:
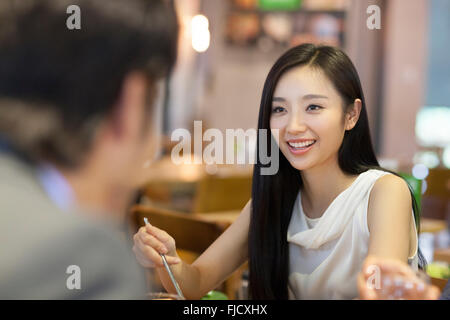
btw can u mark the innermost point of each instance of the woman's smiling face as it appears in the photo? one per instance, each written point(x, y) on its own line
point(308, 112)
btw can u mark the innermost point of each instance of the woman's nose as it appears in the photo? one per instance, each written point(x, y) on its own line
point(296, 124)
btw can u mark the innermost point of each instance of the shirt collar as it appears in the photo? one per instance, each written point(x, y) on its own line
point(56, 186)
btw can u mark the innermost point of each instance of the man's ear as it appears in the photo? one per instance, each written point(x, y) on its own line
point(352, 116)
point(127, 118)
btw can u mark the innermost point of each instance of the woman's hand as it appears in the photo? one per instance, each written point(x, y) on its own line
point(384, 279)
point(150, 242)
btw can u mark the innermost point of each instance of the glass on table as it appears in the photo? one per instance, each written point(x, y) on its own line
point(401, 287)
point(391, 279)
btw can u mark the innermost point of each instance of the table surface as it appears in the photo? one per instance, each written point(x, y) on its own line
point(432, 225)
point(228, 217)
point(165, 170)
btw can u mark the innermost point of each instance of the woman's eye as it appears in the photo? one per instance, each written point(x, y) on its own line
point(313, 107)
point(277, 109)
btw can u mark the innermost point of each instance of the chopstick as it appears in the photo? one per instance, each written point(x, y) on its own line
point(166, 265)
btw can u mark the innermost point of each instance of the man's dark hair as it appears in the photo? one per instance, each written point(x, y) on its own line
point(56, 83)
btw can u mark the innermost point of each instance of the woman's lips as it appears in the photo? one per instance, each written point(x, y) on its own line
point(299, 151)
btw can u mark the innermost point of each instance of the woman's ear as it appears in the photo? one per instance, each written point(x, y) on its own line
point(352, 116)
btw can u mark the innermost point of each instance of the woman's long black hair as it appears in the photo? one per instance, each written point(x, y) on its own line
point(273, 196)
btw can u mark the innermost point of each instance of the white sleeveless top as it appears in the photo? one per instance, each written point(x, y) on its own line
point(326, 254)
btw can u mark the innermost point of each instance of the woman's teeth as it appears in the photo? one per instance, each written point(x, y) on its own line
point(301, 144)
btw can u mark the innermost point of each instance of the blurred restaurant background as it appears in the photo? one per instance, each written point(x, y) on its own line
point(226, 48)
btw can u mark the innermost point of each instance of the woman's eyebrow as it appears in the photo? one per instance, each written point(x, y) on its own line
point(278, 99)
point(314, 96)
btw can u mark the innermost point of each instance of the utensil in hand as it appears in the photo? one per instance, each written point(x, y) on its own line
point(169, 271)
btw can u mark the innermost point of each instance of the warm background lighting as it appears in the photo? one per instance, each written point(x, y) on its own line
point(200, 33)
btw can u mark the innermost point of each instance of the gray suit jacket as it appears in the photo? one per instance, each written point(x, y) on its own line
point(38, 243)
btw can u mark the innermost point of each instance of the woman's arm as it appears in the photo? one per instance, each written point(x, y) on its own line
point(390, 219)
point(220, 260)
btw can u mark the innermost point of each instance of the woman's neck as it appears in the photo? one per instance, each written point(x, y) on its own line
point(321, 185)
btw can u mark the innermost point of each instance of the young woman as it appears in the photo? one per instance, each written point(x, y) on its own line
point(309, 227)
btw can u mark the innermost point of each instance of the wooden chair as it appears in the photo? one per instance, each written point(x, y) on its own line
point(192, 236)
point(222, 193)
point(190, 233)
point(436, 199)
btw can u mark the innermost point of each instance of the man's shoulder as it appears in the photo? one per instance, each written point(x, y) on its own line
point(25, 208)
point(40, 242)
point(40, 253)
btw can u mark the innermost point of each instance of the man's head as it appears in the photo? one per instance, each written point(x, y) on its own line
point(84, 97)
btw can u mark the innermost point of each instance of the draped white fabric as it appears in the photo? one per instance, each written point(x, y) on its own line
point(324, 260)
